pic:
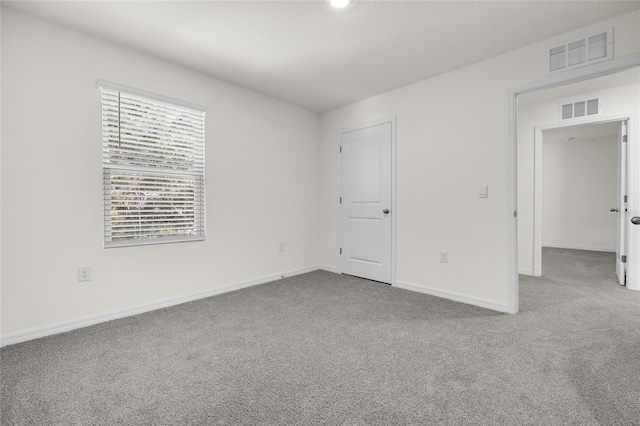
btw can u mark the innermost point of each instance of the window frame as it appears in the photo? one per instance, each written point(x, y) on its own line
point(186, 172)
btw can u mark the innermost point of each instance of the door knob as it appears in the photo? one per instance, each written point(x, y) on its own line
point(635, 220)
point(614, 210)
point(385, 211)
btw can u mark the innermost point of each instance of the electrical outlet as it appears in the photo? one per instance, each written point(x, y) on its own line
point(444, 256)
point(84, 273)
point(281, 247)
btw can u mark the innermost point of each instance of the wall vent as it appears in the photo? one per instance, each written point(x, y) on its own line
point(587, 50)
point(580, 109)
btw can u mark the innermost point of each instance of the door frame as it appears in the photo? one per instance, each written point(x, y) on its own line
point(537, 174)
point(391, 120)
point(554, 80)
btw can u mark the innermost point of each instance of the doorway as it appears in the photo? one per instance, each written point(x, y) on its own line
point(580, 189)
point(627, 66)
point(366, 207)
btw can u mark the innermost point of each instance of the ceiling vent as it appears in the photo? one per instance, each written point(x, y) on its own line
point(587, 50)
point(580, 109)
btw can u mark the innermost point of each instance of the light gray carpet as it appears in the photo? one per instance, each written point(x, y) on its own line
point(321, 348)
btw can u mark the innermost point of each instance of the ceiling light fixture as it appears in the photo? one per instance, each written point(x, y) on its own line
point(339, 4)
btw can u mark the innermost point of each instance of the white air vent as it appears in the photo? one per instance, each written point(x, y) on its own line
point(587, 50)
point(580, 109)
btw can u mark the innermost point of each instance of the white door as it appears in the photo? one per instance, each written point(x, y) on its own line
point(365, 209)
point(632, 216)
point(621, 205)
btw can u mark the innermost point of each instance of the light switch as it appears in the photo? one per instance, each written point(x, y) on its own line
point(483, 192)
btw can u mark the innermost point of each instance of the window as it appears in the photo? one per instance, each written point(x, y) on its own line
point(153, 168)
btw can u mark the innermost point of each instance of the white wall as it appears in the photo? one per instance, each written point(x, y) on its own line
point(262, 181)
point(266, 167)
point(452, 138)
point(578, 190)
point(616, 100)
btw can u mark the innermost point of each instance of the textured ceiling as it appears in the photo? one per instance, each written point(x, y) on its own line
point(308, 54)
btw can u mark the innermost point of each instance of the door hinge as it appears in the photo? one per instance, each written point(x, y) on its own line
point(624, 138)
point(340, 200)
point(340, 250)
point(515, 213)
point(623, 258)
point(340, 148)
point(624, 200)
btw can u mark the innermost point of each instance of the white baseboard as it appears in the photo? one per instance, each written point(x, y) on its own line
point(457, 297)
point(61, 327)
point(562, 246)
point(328, 268)
point(522, 271)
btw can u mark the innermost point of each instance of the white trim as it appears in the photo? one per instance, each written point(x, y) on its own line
point(523, 271)
point(326, 268)
point(537, 183)
point(553, 80)
point(513, 296)
point(137, 92)
point(393, 199)
point(457, 297)
point(154, 241)
point(633, 201)
point(569, 247)
point(537, 202)
point(339, 133)
point(64, 326)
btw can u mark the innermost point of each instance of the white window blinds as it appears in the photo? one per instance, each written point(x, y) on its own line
point(153, 168)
